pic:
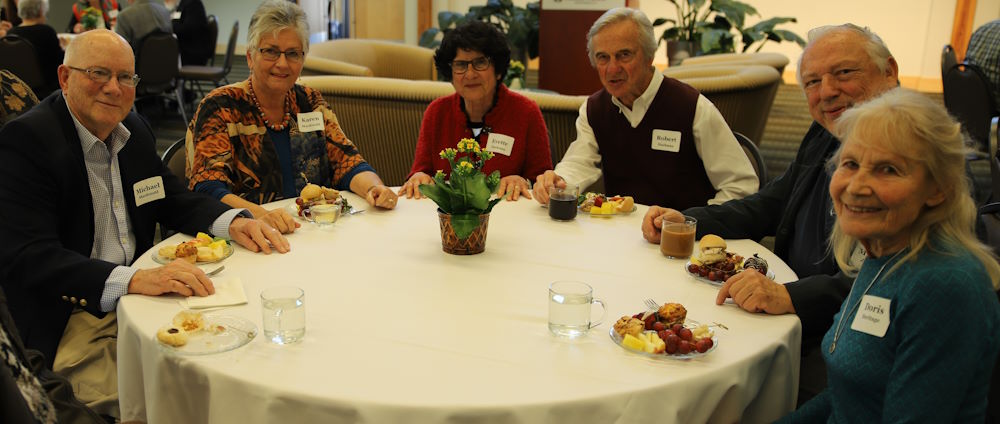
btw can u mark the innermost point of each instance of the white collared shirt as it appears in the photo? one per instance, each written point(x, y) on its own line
point(727, 166)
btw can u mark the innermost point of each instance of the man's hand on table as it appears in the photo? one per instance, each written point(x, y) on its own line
point(257, 236)
point(411, 189)
point(544, 182)
point(653, 222)
point(179, 276)
point(513, 186)
point(756, 293)
point(381, 196)
point(279, 219)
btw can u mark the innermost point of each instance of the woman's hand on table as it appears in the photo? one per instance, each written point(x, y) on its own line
point(542, 184)
point(754, 292)
point(653, 222)
point(411, 189)
point(179, 276)
point(279, 219)
point(381, 196)
point(513, 186)
point(257, 236)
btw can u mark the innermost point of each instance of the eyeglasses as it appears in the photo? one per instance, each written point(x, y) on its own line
point(461, 66)
point(622, 56)
point(292, 55)
point(103, 75)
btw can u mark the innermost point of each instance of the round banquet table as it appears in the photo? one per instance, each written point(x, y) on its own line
point(399, 331)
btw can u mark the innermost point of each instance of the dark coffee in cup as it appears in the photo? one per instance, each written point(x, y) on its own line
point(562, 206)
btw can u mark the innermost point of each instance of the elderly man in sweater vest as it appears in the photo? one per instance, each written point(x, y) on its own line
point(655, 138)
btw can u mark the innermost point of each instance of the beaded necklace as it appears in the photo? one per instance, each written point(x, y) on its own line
point(284, 122)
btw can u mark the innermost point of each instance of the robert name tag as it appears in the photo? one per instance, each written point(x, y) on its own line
point(310, 121)
point(666, 140)
point(148, 190)
point(112, 14)
point(873, 316)
point(499, 143)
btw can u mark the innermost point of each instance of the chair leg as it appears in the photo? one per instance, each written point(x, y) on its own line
point(179, 92)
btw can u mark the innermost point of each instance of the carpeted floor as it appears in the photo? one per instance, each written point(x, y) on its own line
point(787, 123)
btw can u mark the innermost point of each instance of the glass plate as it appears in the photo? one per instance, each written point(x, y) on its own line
point(770, 274)
point(694, 354)
point(293, 210)
point(226, 252)
point(222, 333)
point(595, 215)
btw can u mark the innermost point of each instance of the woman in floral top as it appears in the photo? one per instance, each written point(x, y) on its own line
point(263, 139)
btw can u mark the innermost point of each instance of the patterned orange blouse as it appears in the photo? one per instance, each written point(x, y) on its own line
point(227, 141)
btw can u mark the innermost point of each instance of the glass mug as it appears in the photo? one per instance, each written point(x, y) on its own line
point(563, 203)
point(677, 238)
point(570, 309)
point(284, 313)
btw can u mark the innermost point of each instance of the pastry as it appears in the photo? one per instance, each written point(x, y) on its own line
point(187, 251)
point(629, 325)
point(672, 313)
point(189, 321)
point(172, 336)
point(712, 249)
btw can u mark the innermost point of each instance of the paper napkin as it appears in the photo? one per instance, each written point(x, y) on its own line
point(228, 292)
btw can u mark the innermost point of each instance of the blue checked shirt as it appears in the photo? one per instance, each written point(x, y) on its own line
point(113, 238)
point(984, 52)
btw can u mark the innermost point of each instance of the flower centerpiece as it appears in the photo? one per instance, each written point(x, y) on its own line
point(515, 75)
point(464, 197)
point(91, 16)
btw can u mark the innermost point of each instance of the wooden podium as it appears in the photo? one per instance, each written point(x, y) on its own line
point(563, 65)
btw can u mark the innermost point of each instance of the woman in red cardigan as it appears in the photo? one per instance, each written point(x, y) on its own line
point(474, 57)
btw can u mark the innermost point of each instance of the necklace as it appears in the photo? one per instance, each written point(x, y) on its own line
point(840, 323)
point(284, 122)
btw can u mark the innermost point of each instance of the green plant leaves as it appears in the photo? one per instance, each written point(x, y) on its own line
point(711, 28)
point(464, 224)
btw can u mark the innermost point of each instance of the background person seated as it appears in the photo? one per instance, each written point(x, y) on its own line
point(475, 57)
point(190, 24)
point(34, 29)
point(107, 15)
point(141, 18)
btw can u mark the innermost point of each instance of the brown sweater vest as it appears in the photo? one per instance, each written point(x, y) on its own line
point(629, 163)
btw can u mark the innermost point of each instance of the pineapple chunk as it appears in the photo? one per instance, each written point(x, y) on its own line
point(202, 239)
point(634, 343)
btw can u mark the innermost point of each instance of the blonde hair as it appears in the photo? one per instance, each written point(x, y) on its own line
point(909, 124)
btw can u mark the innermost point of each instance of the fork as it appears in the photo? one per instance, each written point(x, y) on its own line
point(215, 271)
point(652, 305)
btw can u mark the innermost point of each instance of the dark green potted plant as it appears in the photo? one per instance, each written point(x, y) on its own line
point(711, 26)
point(519, 24)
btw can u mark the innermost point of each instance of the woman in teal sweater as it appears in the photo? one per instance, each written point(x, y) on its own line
point(917, 337)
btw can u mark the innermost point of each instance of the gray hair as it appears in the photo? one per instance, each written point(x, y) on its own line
point(642, 25)
point(909, 124)
point(876, 48)
point(273, 16)
point(32, 9)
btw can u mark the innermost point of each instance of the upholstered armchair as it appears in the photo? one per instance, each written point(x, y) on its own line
point(776, 60)
point(361, 57)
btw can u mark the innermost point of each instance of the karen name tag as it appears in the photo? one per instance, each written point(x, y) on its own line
point(666, 140)
point(310, 121)
point(873, 316)
point(148, 190)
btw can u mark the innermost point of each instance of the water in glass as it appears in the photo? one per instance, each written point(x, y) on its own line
point(284, 315)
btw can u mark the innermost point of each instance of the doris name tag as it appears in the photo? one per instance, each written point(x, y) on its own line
point(500, 143)
point(310, 121)
point(873, 316)
point(148, 190)
point(667, 141)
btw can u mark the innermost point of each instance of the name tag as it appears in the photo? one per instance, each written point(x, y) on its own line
point(113, 13)
point(311, 121)
point(666, 140)
point(873, 316)
point(499, 143)
point(148, 190)
point(175, 15)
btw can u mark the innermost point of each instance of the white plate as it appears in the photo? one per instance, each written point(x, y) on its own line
point(770, 274)
point(694, 353)
point(293, 210)
point(222, 333)
point(226, 252)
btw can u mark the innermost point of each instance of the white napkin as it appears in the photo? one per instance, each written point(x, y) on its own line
point(228, 292)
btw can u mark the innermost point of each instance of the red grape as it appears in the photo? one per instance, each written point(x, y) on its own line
point(658, 326)
point(672, 342)
point(685, 334)
point(676, 328)
point(684, 347)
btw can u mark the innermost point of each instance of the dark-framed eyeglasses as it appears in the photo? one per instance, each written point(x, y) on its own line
point(103, 75)
point(291, 55)
point(461, 66)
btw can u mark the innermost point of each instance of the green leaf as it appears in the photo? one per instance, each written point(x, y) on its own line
point(492, 188)
point(429, 38)
point(438, 192)
point(464, 224)
point(790, 36)
point(768, 25)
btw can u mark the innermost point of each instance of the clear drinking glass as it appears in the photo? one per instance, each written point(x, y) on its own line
point(325, 215)
point(284, 311)
point(570, 308)
point(677, 238)
point(562, 203)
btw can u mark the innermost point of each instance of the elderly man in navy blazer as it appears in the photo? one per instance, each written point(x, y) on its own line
point(82, 189)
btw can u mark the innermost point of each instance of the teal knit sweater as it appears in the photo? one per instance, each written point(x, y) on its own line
point(935, 361)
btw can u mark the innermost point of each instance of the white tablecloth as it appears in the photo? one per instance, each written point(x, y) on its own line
point(399, 331)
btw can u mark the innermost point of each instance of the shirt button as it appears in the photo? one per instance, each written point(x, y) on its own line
point(72, 299)
point(66, 298)
point(83, 302)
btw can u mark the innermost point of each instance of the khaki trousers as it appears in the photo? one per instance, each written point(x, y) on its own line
point(87, 357)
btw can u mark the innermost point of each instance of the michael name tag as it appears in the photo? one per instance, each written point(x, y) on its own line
point(873, 316)
point(311, 121)
point(666, 140)
point(148, 190)
point(500, 143)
